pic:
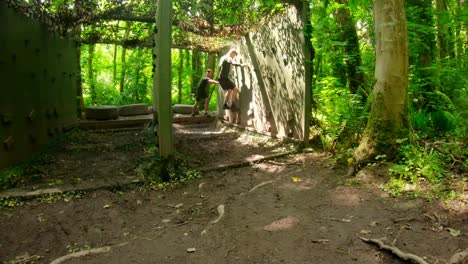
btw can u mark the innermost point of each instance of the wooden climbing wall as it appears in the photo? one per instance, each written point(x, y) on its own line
point(273, 89)
point(38, 78)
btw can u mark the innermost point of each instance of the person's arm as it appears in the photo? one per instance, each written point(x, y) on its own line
point(211, 81)
point(238, 64)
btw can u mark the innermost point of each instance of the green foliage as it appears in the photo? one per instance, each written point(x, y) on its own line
point(10, 177)
point(419, 163)
point(178, 171)
point(338, 110)
point(442, 121)
point(10, 202)
point(434, 123)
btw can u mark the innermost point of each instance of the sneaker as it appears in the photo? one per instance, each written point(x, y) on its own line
point(225, 106)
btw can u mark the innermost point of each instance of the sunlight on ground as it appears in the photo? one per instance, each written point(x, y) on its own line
point(268, 168)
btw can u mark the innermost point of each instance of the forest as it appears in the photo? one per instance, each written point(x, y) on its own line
point(388, 97)
point(116, 68)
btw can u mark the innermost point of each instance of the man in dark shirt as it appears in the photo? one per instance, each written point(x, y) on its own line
point(202, 92)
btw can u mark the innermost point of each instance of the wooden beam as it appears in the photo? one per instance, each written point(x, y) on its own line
point(147, 43)
point(162, 80)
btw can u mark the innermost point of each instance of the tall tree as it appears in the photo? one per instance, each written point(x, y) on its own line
point(420, 18)
point(196, 69)
point(388, 119)
point(114, 60)
point(444, 34)
point(179, 77)
point(348, 35)
point(91, 77)
point(124, 54)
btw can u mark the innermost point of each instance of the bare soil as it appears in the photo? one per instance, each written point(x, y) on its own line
point(294, 209)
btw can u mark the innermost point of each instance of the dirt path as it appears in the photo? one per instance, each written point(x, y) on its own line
point(291, 210)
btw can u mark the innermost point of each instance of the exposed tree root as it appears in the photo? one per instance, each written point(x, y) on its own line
point(86, 252)
point(220, 213)
point(395, 250)
point(460, 257)
point(260, 185)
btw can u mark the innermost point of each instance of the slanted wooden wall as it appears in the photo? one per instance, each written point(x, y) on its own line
point(273, 89)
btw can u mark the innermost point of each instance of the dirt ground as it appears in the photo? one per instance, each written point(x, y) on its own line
point(294, 209)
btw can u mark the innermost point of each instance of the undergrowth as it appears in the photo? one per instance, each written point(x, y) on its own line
point(160, 173)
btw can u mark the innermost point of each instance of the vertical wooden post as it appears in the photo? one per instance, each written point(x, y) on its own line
point(162, 78)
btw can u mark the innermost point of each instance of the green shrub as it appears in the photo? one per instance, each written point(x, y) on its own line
point(418, 163)
point(442, 121)
point(10, 177)
point(421, 120)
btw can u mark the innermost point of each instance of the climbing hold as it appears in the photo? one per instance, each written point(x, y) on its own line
point(32, 115)
point(8, 143)
point(32, 138)
point(49, 113)
point(5, 119)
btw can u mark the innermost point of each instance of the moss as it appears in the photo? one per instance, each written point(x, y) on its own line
point(380, 135)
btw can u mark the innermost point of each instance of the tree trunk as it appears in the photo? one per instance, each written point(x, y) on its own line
point(420, 14)
point(124, 65)
point(388, 119)
point(137, 75)
point(179, 80)
point(79, 86)
point(458, 33)
point(348, 34)
point(91, 79)
point(114, 61)
point(444, 34)
point(196, 69)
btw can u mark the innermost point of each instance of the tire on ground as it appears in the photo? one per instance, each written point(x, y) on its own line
point(134, 109)
point(104, 112)
point(182, 109)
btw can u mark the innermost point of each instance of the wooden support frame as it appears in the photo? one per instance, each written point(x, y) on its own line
point(162, 78)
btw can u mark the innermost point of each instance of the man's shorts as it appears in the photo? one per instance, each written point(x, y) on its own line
point(202, 94)
point(226, 83)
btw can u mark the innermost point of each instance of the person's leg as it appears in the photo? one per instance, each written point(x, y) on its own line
point(194, 108)
point(226, 96)
point(235, 95)
point(206, 104)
